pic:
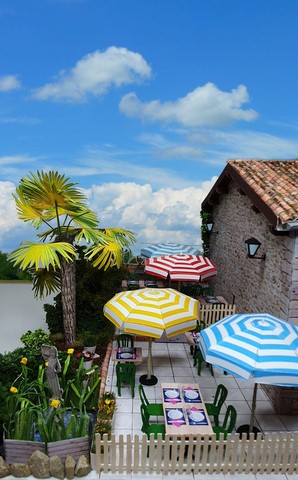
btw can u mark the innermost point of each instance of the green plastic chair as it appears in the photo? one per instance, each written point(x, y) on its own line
point(155, 409)
point(200, 326)
point(219, 399)
point(148, 427)
point(133, 286)
point(208, 291)
point(125, 340)
point(229, 423)
point(126, 372)
point(199, 359)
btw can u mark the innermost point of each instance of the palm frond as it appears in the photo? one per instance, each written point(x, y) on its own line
point(121, 236)
point(45, 281)
point(90, 235)
point(105, 256)
point(46, 190)
point(26, 212)
point(84, 218)
point(36, 255)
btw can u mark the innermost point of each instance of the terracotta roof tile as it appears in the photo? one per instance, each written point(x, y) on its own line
point(275, 182)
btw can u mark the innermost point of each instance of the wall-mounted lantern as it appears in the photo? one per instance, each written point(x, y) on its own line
point(252, 246)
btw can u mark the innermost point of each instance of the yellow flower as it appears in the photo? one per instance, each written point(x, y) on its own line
point(107, 402)
point(55, 403)
point(70, 351)
point(46, 364)
point(24, 361)
point(13, 390)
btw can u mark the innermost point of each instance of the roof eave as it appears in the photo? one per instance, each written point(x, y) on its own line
point(230, 173)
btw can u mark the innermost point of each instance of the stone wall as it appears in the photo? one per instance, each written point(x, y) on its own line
point(269, 285)
point(254, 285)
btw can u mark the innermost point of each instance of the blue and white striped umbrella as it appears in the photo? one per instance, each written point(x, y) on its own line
point(255, 344)
point(160, 249)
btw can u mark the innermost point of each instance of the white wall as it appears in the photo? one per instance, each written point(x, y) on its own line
point(19, 312)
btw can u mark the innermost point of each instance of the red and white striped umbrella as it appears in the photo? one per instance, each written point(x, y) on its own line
point(192, 268)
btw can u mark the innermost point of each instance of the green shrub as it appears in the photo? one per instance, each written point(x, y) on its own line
point(34, 340)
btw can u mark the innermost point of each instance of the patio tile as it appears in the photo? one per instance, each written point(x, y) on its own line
point(180, 371)
point(164, 371)
point(188, 379)
point(268, 476)
point(265, 408)
point(121, 421)
point(245, 420)
point(244, 476)
point(181, 361)
point(228, 381)
point(270, 423)
point(136, 405)
point(124, 404)
point(207, 382)
point(136, 421)
point(290, 422)
point(241, 406)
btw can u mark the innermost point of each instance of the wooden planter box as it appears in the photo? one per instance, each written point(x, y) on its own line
point(75, 447)
point(20, 451)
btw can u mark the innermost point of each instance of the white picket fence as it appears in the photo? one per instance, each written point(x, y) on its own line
point(268, 453)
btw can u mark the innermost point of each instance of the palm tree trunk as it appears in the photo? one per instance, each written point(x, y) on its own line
point(68, 298)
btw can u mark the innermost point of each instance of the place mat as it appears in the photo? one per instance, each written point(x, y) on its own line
point(175, 416)
point(191, 395)
point(171, 395)
point(122, 355)
point(196, 416)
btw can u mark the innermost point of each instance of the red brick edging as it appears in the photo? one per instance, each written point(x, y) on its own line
point(104, 369)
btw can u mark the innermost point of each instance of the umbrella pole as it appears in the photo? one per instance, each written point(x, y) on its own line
point(149, 379)
point(248, 429)
point(253, 407)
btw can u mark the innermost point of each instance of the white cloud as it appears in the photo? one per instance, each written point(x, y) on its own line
point(8, 213)
point(8, 83)
point(94, 74)
point(167, 214)
point(204, 106)
point(185, 152)
point(101, 163)
point(222, 145)
point(13, 231)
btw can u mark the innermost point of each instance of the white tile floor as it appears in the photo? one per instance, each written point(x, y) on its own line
point(172, 362)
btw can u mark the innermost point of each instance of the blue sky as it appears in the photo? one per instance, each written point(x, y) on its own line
point(143, 102)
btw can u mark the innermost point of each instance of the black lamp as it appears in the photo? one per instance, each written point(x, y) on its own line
point(209, 225)
point(252, 246)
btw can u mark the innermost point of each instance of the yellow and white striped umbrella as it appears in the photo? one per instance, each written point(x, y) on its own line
point(152, 311)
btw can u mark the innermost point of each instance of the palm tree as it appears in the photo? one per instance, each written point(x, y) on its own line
point(48, 199)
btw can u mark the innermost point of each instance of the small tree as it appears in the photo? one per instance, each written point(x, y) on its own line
point(48, 199)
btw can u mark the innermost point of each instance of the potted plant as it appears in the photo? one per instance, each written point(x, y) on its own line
point(34, 414)
point(104, 422)
point(65, 431)
point(87, 356)
point(20, 430)
point(89, 340)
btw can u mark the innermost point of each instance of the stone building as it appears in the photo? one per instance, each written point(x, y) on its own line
point(258, 199)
